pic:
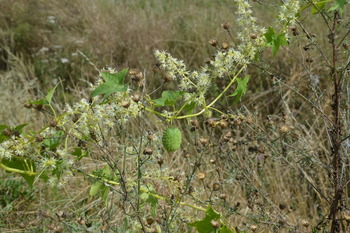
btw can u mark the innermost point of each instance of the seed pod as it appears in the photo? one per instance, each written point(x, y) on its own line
point(225, 26)
point(39, 107)
point(228, 135)
point(282, 206)
point(53, 123)
point(347, 218)
point(249, 120)
point(293, 28)
point(207, 60)
point(172, 139)
point(34, 223)
point(216, 187)
point(201, 175)
point(204, 141)
point(46, 213)
point(223, 196)
point(224, 45)
point(309, 60)
point(150, 137)
point(253, 36)
point(148, 151)
point(125, 104)
point(253, 228)
point(160, 161)
point(81, 221)
point(27, 105)
point(7, 132)
point(284, 129)
point(156, 68)
point(136, 96)
point(58, 229)
point(215, 223)
point(305, 223)
point(168, 78)
point(133, 71)
point(223, 124)
point(213, 42)
point(139, 76)
point(190, 190)
point(212, 123)
point(150, 220)
point(194, 123)
point(51, 226)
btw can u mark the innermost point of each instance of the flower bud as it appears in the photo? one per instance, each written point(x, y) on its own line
point(253, 36)
point(125, 104)
point(201, 175)
point(305, 223)
point(253, 228)
point(224, 45)
point(225, 26)
point(213, 42)
point(136, 96)
point(148, 151)
point(216, 187)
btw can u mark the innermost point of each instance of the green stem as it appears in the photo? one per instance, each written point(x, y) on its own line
point(213, 102)
point(10, 169)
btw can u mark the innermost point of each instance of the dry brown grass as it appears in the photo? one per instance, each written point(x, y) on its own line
point(277, 193)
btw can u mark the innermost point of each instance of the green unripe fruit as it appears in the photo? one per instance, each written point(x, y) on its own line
point(172, 139)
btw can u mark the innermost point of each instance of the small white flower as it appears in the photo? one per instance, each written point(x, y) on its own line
point(64, 60)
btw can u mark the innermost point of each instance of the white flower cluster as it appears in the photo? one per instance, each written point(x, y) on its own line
point(21, 146)
point(226, 63)
point(288, 13)
point(84, 118)
point(193, 82)
point(251, 35)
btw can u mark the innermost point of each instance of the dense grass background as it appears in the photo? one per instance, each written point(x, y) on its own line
point(46, 41)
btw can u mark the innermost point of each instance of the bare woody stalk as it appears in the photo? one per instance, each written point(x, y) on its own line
point(336, 134)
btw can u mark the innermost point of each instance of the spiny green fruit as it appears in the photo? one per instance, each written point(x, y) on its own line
point(172, 139)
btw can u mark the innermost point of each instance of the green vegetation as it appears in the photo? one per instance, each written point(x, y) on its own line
point(148, 116)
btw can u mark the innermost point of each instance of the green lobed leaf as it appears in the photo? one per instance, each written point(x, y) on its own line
point(95, 187)
point(189, 108)
point(80, 153)
point(54, 141)
point(320, 6)
point(2, 127)
point(24, 165)
point(19, 128)
point(105, 192)
point(114, 82)
point(225, 229)
point(205, 225)
point(274, 40)
point(149, 199)
point(339, 6)
point(241, 88)
point(168, 98)
point(3, 137)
